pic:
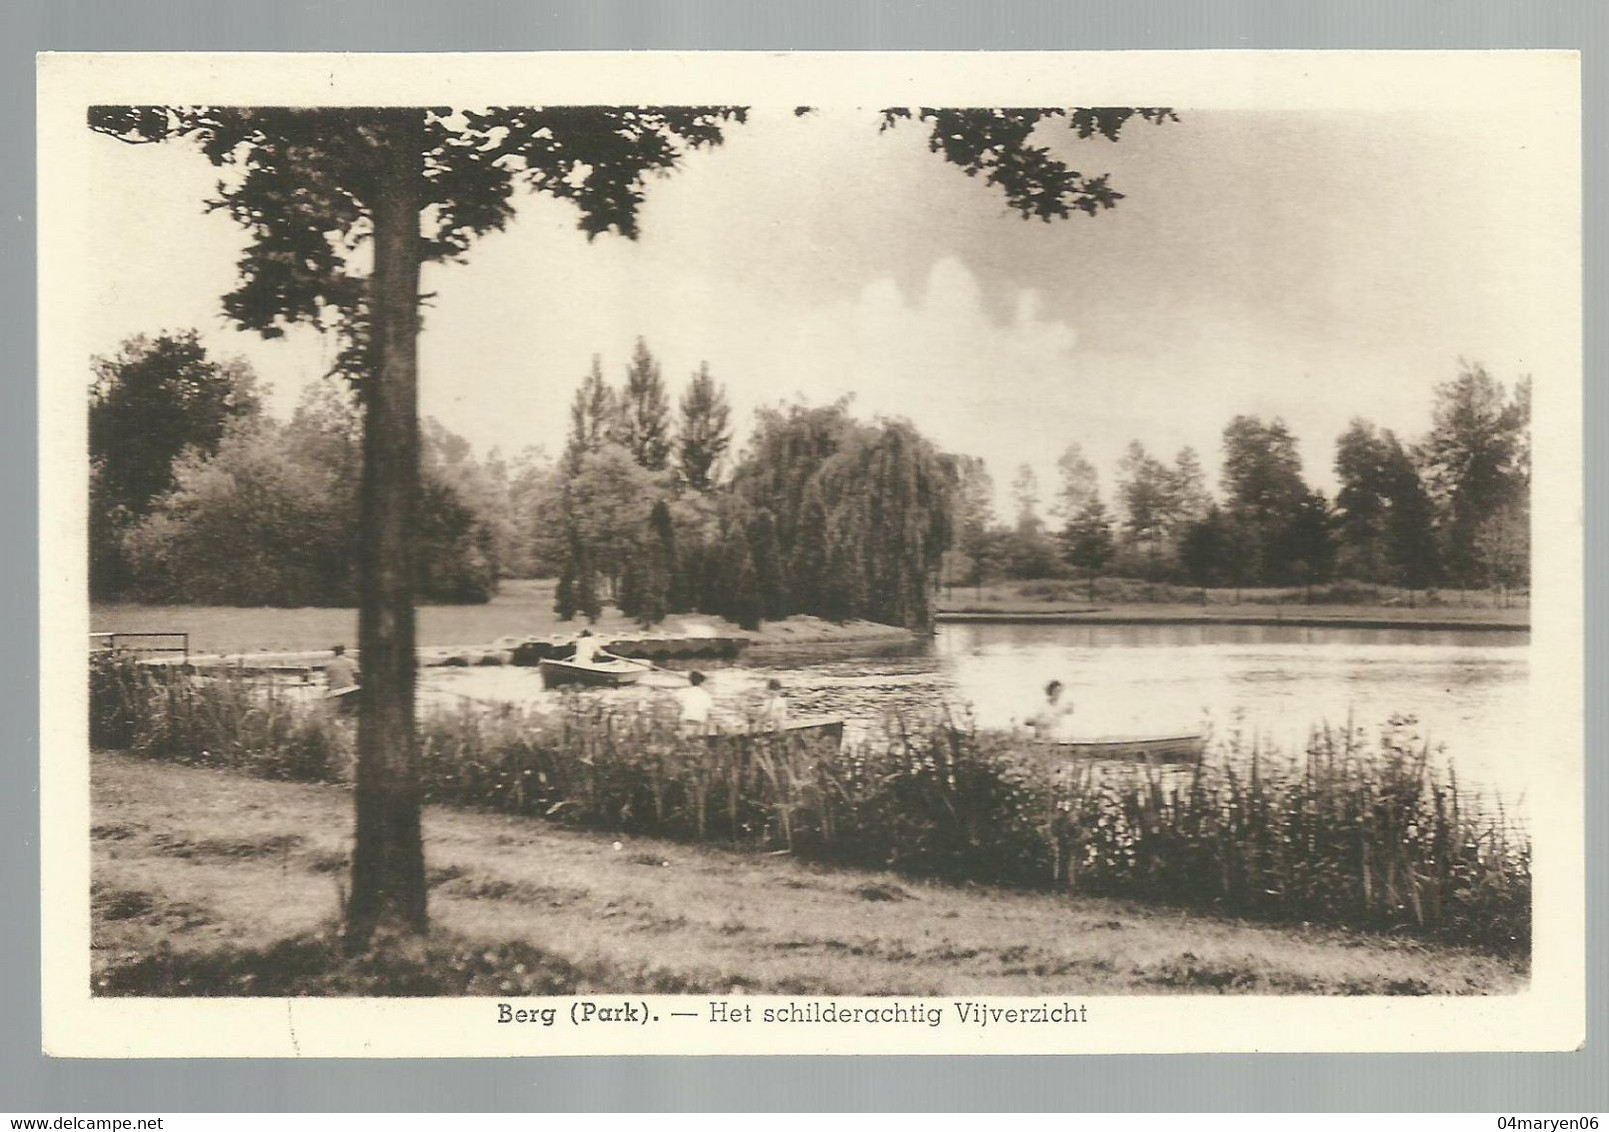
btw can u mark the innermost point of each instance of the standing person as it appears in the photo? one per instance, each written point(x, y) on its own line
point(340, 672)
point(342, 679)
point(1056, 708)
point(774, 708)
point(695, 703)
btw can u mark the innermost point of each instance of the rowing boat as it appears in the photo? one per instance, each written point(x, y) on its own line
point(593, 674)
point(1183, 748)
point(809, 730)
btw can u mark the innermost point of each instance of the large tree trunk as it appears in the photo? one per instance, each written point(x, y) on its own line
point(388, 868)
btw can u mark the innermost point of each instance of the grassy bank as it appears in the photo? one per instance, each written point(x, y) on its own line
point(525, 608)
point(216, 883)
point(1126, 601)
point(521, 608)
point(1355, 830)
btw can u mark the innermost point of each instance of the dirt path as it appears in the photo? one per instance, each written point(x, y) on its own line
point(212, 862)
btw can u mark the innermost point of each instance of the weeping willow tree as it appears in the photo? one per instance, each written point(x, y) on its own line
point(859, 514)
point(893, 490)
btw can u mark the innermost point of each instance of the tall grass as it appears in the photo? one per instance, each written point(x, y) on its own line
point(1358, 830)
point(224, 721)
point(1355, 829)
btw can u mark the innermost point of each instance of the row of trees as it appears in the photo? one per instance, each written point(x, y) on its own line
point(822, 514)
point(1450, 509)
point(197, 495)
point(604, 515)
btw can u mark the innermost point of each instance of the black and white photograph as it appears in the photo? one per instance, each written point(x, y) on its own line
point(676, 553)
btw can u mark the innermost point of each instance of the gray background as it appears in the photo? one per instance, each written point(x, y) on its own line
point(1561, 1083)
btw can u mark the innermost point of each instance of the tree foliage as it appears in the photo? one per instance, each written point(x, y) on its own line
point(1079, 481)
point(999, 145)
point(606, 504)
point(1412, 548)
point(152, 402)
point(1146, 488)
point(243, 527)
point(1204, 548)
point(271, 517)
point(644, 411)
point(975, 539)
point(1363, 502)
point(863, 512)
point(704, 430)
point(1087, 541)
point(1477, 460)
point(594, 417)
point(1026, 548)
point(1308, 551)
point(1263, 488)
point(1190, 499)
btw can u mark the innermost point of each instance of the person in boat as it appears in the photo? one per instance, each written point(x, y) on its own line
point(774, 708)
point(340, 673)
point(694, 704)
point(1050, 719)
point(588, 649)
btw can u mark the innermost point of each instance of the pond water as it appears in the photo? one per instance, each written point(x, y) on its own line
point(1468, 691)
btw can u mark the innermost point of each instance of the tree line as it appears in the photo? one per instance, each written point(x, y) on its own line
point(198, 495)
point(1450, 509)
point(821, 513)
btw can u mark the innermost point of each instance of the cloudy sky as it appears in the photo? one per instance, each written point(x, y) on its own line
point(1310, 265)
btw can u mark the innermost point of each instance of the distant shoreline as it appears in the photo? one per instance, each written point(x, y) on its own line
point(449, 633)
point(1186, 615)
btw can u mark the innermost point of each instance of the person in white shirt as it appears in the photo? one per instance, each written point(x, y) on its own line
point(774, 708)
point(586, 647)
point(694, 703)
point(1053, 713)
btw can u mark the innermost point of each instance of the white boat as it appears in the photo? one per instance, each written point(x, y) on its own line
point(612, 673)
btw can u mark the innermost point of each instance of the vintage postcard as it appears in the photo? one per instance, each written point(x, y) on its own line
point(845, 553)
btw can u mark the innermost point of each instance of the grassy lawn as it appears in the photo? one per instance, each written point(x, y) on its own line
point(523, 607)
point(208, 882)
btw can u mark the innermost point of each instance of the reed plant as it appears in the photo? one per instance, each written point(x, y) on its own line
point(226, 720)
point(1357, 829)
